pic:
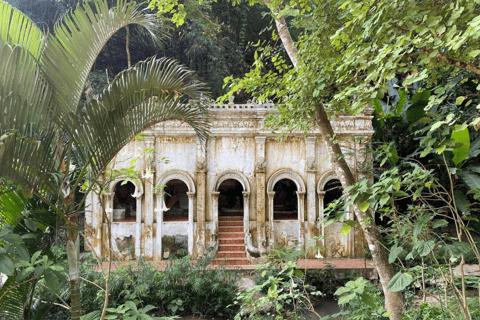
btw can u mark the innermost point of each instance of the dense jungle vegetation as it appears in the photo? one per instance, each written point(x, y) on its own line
point(417, 64)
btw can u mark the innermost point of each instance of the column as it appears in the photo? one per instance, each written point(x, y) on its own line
point(312, 231)
point(138, 226)
point(191, 203)
point(260, 185)
point(147, 214)
point(271, 241)
point(246, 212)
point(159, 208)
point(321, 196)
point(215, 196)
point(201, 177)
point(301, 218)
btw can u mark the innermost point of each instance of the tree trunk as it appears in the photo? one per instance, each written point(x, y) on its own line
point(393, 300)
point(73, 255)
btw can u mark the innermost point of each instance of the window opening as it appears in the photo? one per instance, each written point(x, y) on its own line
point(124, 204)
point(333, 191)
point(230, 200)
point(285, 201)
point(176, 199)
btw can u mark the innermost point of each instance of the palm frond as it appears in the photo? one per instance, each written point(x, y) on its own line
point(12, 298)
point(32, 162)
point(152, 91)
point(25, 95)
point(17, 29)
point(77, 41)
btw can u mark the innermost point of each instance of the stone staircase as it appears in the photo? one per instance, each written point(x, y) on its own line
point(231, 246)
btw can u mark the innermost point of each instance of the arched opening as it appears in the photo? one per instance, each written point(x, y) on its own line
point(176, 199)
point(333, 191)
point(124, 204)
point(230, 199)
point(285, 200)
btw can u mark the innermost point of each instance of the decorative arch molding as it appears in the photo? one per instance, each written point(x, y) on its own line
point(324, 179)
point(232, 174)
point(177, 175)
point(160, 209)
point(286, 174)
point(240, 177)
point(138, 196)
point(297, 179)
point(137, 183)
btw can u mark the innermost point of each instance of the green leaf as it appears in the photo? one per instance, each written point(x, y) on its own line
point(51, 280)
point(364, 206)
point(462, 137)
point(461, 201)
point(439, 223)
point(417, 228)
point(384, 199)
point(394, 252)
point(424, 247)
point(474, 53)
point(415, 113)
point(345, 229)
point(6, 265)
point(399, 282)
point(472, 180)
point(459, 100)
point(30, 224)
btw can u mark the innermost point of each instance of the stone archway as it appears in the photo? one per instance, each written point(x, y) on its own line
point(343, 244)
point(272, 181)
point(138, 198)
point(240, 177)
point(160, 207)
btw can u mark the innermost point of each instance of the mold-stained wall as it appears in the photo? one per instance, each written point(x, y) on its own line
point(240, 148)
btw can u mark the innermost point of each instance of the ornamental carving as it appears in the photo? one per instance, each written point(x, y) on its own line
point(286, 174)
point(235, 175)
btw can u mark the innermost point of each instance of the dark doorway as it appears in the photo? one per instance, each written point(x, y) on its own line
point(124, 204)
point(230, 200)
point(285, 201)
point(176, 200)
point(333, 191)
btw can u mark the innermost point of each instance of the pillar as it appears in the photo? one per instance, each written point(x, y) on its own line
point(147, 214)
point(271, 241)
point(312, 231)
point(301, 218)
point(246, 212)
point(321, 222)
point(215, 195)
point(191, 203)
point(260, 186)
point(201, 177)
point(159, 209)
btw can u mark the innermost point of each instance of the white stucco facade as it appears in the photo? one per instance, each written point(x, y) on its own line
point(240, 150)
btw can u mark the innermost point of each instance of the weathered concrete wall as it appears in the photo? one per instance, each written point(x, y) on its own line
point(241, 149)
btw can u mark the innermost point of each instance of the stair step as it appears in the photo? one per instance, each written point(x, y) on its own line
point(231, 254)
point(230, 229)
point(230, 262)
point(230, 223)
point(230, 218)
point(231, 247)
point(224, 235)
point(232, 241)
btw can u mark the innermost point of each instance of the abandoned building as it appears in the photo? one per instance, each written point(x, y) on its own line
point(236, 196)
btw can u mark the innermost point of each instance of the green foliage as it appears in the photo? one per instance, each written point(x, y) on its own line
point(184, 287)
point(325, 280)
point(285, 294)
point(360, 300)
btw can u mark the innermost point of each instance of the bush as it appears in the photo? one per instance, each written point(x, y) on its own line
point(184, 287)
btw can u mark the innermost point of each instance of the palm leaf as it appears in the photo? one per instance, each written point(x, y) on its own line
point(25, 95)
point(77, 41)
point(17, 29)
point(152, 91)
point(12, 299)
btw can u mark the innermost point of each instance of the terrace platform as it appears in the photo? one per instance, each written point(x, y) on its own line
point(344, 267)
